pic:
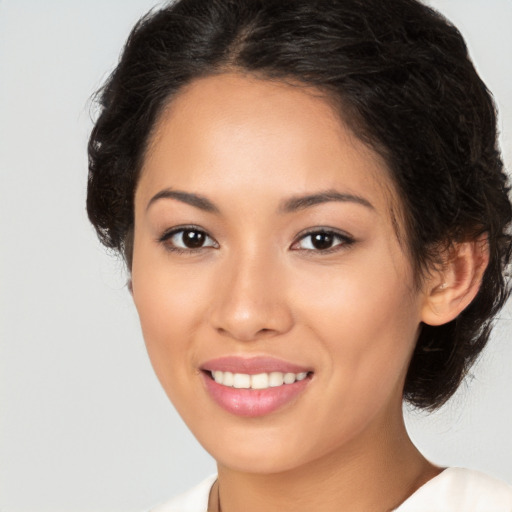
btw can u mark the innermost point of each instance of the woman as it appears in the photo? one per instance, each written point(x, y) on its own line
point(313, 210)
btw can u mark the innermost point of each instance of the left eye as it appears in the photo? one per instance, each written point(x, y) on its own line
point(187, 239)
point(321, 241)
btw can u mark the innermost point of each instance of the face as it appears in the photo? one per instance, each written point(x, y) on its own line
point(265, 257)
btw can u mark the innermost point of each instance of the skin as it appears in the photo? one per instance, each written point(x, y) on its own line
point(258, 287)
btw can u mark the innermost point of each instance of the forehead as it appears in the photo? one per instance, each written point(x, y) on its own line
point(231, 134)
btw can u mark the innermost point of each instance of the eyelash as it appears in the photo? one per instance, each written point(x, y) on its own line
point(344, 239)
point(166, 237)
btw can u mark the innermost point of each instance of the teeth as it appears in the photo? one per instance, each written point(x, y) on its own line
point(289, 378)
point(259, 381)
point(228, 379)
point(241, 381)
point(276, 379)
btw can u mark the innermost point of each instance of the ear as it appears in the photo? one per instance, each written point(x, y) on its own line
point(451, 288)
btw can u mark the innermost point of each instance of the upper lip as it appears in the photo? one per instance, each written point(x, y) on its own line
point(252, 365)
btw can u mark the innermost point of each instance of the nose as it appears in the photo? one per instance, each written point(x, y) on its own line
point(251, 299)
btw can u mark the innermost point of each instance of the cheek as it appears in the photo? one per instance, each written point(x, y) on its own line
point(367, 319)
point(165, 293)
point(167, 303)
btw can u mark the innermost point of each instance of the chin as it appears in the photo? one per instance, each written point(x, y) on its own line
point(256, 450)
point(256, 461)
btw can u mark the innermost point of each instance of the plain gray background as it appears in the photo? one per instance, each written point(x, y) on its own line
point(84, 425)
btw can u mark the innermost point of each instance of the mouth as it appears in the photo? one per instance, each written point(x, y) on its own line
point(252, 387)
point(257, 381)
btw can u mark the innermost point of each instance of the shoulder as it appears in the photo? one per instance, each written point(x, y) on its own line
point(460, 489)
point(193, 500)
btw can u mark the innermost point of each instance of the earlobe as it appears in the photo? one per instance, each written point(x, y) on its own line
point(450, 289)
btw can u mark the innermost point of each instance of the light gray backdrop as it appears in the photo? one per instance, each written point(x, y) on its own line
point(84, 425)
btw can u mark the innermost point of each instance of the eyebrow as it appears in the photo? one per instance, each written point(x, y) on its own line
point(196, 200)
point(290, 205)
point(302, 202)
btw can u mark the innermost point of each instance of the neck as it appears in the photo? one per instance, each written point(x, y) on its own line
point(376, 473)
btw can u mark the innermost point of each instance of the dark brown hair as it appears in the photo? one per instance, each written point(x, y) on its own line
point(402, 73)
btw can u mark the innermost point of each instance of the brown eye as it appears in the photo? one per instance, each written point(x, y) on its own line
point(193, 239)
point(186, 239)
point(322, 241)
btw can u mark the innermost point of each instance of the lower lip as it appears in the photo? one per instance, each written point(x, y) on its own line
point(251, 403)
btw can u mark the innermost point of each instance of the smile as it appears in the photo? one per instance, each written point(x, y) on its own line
point(258, 381)
point(254, 386)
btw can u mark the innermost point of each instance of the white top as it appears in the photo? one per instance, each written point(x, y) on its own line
point(453, 490)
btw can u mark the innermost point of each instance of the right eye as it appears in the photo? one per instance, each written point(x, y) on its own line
point(186, 240)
